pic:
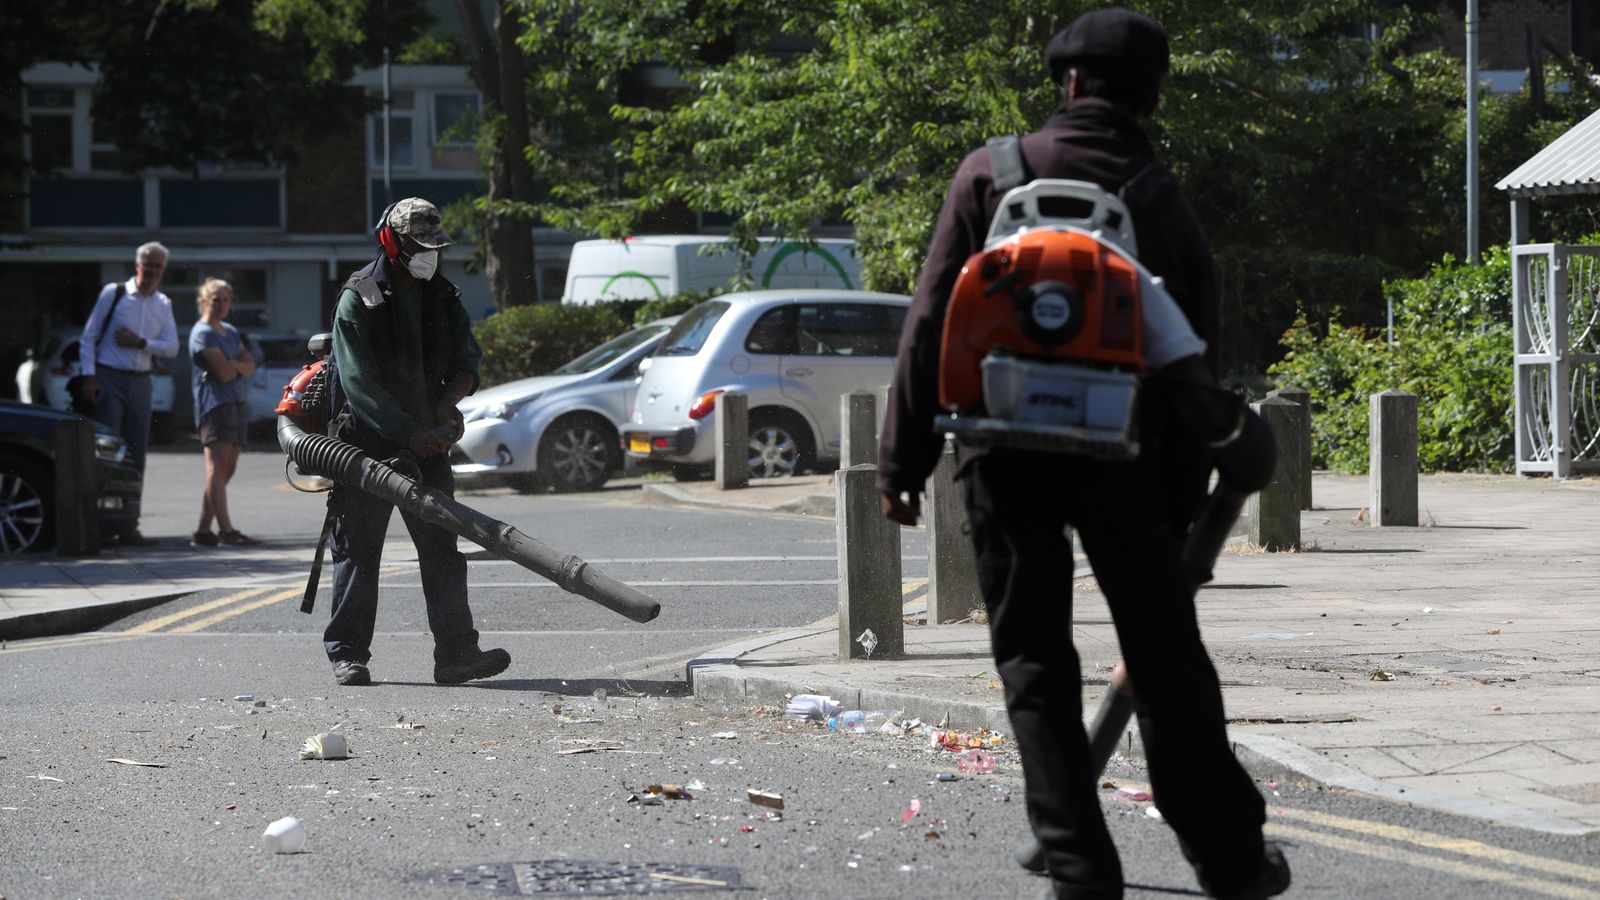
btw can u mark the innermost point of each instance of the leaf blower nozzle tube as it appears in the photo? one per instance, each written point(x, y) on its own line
point(349, 467)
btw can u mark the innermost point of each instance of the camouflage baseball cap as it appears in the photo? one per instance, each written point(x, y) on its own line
point(419, 220)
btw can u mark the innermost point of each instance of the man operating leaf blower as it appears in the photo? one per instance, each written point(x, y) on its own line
point(1060, 331)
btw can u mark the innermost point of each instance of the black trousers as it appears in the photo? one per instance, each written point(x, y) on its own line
point(1020, 504)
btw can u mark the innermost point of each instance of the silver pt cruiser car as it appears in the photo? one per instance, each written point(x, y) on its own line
point(792, 353)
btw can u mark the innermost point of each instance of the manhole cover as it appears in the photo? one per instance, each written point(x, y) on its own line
point(586, 878)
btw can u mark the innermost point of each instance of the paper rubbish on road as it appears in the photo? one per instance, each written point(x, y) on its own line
point(812, 708)
point(764, 798)
point(286, 835)
point(325, 746)
point(134, 762)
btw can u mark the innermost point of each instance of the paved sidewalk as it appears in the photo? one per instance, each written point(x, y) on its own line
point(1454, 665)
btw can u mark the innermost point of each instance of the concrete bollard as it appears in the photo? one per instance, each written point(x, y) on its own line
point(1302, 397)
point(76, 511)
point(858, 420)
point(1275, 511)
point(1392, 458)
point(732, 430)
point(952, 562)
point(870, 617)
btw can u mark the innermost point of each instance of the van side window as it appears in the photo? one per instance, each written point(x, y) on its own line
point(837, 329)
point(773, 333)
point(891, 321)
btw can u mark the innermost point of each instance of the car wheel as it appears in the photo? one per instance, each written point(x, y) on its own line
point(578, 453)
point(778, 448)
point(27, 506)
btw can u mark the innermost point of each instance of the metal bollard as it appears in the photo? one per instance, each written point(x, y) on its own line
point(1275, 511)
point(858, 417)
point(76, 512)
point(732, 429)
point(952, 561)
point(1302, 397)
point(1392, 458)
point(870, 617)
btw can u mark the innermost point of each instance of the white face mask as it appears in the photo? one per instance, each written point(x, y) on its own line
point(423, 265)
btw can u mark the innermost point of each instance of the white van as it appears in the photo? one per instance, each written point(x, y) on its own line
point(647, 268)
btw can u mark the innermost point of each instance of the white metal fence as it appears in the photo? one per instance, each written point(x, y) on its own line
point(1556, 321)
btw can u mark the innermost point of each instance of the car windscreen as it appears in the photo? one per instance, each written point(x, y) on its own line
point(689, 335)
point(610, 350)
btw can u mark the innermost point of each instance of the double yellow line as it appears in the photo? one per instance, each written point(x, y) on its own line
point(1501, 861)
point(229, 606)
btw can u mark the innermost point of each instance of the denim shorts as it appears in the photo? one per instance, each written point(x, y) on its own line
point(227, 422)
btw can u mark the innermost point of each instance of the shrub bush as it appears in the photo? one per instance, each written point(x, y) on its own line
point(1452, 348)
point(532, 340)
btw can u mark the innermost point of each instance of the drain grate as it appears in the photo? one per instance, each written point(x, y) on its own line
point(586, 878)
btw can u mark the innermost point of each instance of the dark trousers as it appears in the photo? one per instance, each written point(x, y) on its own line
point(360, 523)
point(1020, 505)
point(124, 406)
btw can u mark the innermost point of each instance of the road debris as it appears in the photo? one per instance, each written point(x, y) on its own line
point(726, 735)
point(974, 762)
point(1381, 675)
point(134, 762)
point(325, 746)
point(764, 798)
point(1133, 793)
point(811, 708)
point(588, 746)
point(286, 835)
point(911, 811)
point(685, 879)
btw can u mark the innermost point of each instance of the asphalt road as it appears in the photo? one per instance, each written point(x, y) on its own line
point(538, 766)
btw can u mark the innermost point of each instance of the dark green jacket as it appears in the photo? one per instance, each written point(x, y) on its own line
point(397, 349)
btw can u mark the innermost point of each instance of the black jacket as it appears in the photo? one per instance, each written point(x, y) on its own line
point(1093, 141)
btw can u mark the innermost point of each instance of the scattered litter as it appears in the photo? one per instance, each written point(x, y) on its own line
point(260, 704)
point(685, 879)
point(1152, 812)
point(600, 695)
point(670, 791)
point(695, 785)
point(1381, 675)
point(1271, 636)
point(974, 762)
point(408, 726)
point(574, 720)
point(1272, 785)
point(47, 778)
point(1427, 609)
point(585, 746)
point(724, 760)
point(1492, 631)
point(947, 776)
point(811, 708)
point(287, 835)
point(956, 741)
point(747, 828)
point(931, 835)
point(868, 641)
point(726, 735)
point(911, 811)
point(134, 762)
point(764, 798)
point(645, 799)
point(1133, 793)
point(245, 698)
point(325, 746)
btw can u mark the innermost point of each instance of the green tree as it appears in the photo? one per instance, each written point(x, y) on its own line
point(190, 83)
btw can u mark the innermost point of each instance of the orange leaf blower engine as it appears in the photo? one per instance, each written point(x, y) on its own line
point(1051, 325)
point(305, 397)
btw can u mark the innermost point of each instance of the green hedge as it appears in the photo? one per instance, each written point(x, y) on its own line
point(1452, 348)
point(524, 341)
point(531, 340)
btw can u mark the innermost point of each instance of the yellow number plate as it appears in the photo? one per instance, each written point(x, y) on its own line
point(637, 444)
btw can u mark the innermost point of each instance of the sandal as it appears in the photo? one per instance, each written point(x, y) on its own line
point(236, 538)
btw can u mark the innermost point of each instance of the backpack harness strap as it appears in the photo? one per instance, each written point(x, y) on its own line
point(1006, 167)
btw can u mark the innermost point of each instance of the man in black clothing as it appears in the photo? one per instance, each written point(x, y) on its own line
point(1131, 516)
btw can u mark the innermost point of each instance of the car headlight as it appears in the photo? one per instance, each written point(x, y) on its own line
point(110, 447)
point(507, 409)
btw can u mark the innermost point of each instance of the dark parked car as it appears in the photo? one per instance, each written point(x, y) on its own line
point(28, 478)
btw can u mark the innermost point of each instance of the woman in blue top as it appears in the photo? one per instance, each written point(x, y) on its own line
point(222, 369)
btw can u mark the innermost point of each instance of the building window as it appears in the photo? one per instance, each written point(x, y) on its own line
point(103, 154)
point(455, 119)
point(50, 113)
point(402, 128)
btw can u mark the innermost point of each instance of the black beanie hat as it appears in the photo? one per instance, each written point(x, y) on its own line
point(1116, 35)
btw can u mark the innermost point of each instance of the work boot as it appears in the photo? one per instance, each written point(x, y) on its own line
point(1272, 880)
point(351, 674)
point(471, 665)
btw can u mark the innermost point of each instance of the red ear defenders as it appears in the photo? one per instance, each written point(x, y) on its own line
point(386, 236)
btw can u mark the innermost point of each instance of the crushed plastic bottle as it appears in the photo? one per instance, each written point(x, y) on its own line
point(862, 721)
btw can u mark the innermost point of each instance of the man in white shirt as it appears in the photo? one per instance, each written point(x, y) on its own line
point(130, 323)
